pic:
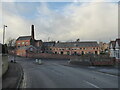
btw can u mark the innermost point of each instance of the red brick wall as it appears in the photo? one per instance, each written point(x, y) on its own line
point(20, 43)
point(21, 52)
point(78, 50)
point(50, 56)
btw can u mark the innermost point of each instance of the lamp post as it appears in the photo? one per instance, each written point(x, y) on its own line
point(4, 32)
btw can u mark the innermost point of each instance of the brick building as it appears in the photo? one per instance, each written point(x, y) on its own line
point(115, 48)
point(74, 48)
point(24, 43)
point(104, 47)
point(22, 51)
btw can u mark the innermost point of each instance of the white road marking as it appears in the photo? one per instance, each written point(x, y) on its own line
point(24, 82)
point(92, 84)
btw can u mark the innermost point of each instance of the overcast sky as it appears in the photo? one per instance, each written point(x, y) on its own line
point(63, 21)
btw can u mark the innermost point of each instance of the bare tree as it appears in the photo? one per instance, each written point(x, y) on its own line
point(77, 40)
point(11, 43)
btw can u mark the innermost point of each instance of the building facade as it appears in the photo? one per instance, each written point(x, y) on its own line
point(74, 48)
point(115, 49)
point(28, 43)
point(104, 47)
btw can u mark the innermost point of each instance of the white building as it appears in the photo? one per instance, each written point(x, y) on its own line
point(115, 49)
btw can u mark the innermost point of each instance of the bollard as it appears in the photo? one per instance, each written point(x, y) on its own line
point(39, 62)
point(36, 60)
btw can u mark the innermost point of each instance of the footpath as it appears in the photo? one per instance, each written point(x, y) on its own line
point(13, 77)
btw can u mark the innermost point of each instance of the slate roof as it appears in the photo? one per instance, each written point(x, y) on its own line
point(48, 44)
point(76, 44)
point(24, 38)
point(26, 47)
point(113, 43)
point(118, 40)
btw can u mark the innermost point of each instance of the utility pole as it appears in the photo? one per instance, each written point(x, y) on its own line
point(4, 33)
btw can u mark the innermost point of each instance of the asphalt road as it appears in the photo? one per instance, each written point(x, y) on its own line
point(52, 74)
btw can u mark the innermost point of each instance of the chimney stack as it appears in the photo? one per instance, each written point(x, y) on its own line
point(32, 31)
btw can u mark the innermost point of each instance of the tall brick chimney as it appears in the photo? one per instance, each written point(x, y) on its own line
point(32, 31)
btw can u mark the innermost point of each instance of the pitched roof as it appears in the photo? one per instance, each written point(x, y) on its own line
point(24, 38)
point(48, 43)
point(26, 47)
point(113, 43)
point(76, 44)
point(118, 40)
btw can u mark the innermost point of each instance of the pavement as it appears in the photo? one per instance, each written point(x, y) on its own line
point(13, 77)
point(52, 74)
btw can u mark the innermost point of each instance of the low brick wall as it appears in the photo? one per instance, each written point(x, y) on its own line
point(50, 56)
point(103, 63)
point(85, 60)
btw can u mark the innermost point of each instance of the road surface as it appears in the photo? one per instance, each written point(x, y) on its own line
point(52, 74)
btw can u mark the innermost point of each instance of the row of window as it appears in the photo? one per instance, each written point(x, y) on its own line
point(22, 43)
point(115, 54)
point(76, 53)
point(72, 49)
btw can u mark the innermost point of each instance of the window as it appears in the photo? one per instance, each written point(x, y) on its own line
point(95, 52)
point(61, 52)
point(84, 48)
point(26, 42)
point(18, 43)
point(75, 48)
point(80, 48)
point(68, 53)
point(23, 42)
point(75, 53)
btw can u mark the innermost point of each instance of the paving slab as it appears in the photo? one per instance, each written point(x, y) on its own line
point(13, 76)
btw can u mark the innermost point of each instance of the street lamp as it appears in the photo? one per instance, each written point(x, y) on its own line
point(4, 33)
